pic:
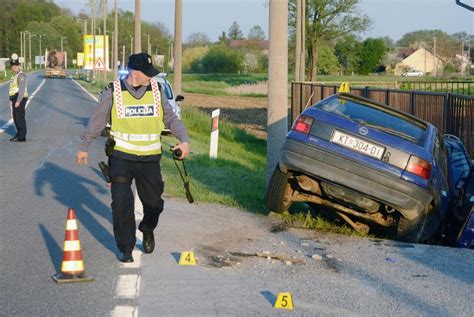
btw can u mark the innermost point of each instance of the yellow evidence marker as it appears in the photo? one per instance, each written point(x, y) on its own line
point(344, 87)
point(284, 301)
point(187, 258)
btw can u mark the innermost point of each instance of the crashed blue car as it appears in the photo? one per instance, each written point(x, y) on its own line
point(380, 170)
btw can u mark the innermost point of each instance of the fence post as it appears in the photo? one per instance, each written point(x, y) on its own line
point(366, 92)
point(412, 102)
point(387, 96)
point(322, 91)
point(446, 114)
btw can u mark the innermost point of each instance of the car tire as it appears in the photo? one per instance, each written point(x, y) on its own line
point(278, 191)
point(418, 230)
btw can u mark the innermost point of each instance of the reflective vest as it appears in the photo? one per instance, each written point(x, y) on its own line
point(14, 88)
point(136, 124)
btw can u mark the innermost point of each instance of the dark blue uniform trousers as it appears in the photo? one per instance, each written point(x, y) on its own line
point(19, 118)
point(149, 185)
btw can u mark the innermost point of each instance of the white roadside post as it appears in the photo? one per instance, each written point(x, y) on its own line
point(214, 133)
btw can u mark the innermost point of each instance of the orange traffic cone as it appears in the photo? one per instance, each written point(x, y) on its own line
point(72, 267)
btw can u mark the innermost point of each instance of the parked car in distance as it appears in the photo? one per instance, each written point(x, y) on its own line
point(413, 73)
point(379, 169)
point(161, 78)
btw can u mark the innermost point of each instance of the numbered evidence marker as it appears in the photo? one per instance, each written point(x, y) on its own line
point(344, 87)
point(284, 301)
point(187, 258)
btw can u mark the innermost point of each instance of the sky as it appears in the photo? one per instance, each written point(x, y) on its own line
point(391, 18)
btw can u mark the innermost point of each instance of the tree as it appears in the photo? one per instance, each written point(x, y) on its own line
point(372, 54)
point(197, 39)
point(328, 63)
point(223, 39)
point(15, 16)
point(234, 32)
point(327, 20)
point(256, 33)
point(347, 50)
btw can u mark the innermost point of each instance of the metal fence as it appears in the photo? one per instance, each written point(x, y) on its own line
point(455, 87)
point(450, 113)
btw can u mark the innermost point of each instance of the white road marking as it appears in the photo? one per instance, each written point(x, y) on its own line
point(127, 286)
point(91, 95)
point(124, 311)
point(10, 122)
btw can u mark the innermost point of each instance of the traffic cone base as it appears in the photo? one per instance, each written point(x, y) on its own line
point(61, 278)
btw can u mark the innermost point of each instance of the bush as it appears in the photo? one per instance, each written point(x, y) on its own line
point(219, 59)
point(191, 55)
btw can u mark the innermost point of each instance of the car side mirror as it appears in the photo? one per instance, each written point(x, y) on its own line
point(179, 98)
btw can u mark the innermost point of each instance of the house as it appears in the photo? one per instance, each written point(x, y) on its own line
point(420, 59)
point(261, 45)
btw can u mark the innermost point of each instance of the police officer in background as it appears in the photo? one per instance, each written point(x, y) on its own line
point(138, 111)
point(18, 96)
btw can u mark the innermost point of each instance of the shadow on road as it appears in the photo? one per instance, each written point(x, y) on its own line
point(54, 250)
point(73, 191)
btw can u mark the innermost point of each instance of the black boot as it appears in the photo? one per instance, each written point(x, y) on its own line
point(126, 257)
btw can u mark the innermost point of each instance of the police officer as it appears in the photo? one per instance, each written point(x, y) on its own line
point(138, 111)
point(18, 96)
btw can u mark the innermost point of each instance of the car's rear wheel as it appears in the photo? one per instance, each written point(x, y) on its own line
point(279, 192)
point(420, 229)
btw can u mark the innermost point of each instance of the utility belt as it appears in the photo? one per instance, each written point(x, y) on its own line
point(104, 168)
point(14, 98)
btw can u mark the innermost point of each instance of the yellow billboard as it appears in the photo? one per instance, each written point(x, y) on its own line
point(101, 54)
point(80, 59)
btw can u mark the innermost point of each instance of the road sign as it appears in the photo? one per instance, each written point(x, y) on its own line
point(99, 65)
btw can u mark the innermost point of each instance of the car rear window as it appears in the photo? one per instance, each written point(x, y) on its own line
point(375, 116)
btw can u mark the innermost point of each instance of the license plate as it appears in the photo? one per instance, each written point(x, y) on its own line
point(357, 144)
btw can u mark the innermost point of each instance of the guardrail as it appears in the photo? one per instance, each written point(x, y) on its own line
point(450, 113)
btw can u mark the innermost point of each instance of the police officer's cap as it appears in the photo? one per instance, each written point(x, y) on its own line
point(14, 60)
point(142, 62)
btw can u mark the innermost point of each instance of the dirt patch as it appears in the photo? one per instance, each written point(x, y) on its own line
point(233, 102)
point(249, 113)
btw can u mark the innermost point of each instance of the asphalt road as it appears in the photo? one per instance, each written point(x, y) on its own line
point(243, 260)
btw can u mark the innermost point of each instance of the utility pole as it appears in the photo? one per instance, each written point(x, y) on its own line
point(104, 43)
point(300, 39)
point(116, 41)
point(177, 66)
point(29, 49)
point(434, 59)
point(149, 45)
point(62, 37)
point(25, 33)
point(39, 51)
point(277, 115)
point(123, 57)
point(93, 40)
point(462, 59)
point(138, 30)
point(21, 45)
